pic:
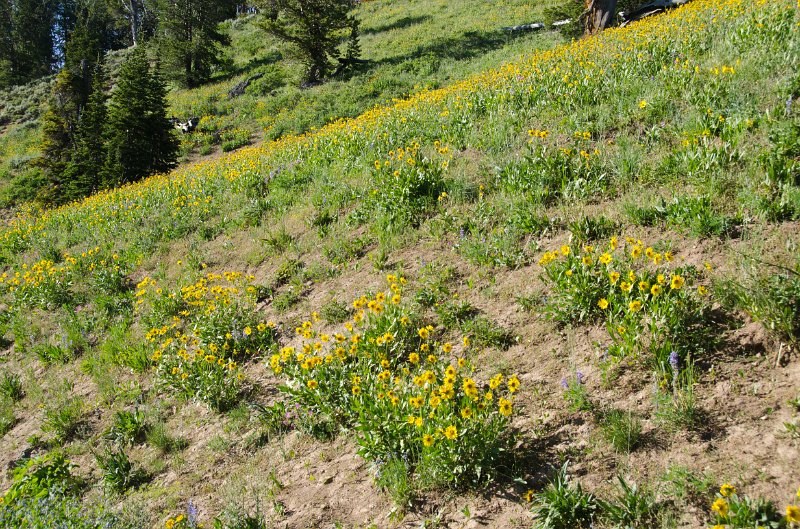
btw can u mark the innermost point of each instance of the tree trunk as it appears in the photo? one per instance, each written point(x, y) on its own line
point(599, 15)
point(133, 9)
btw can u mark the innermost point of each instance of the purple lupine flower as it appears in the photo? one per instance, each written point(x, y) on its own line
point(191, 514)
point(579, 377)
point(674, 360)
point(564, 383)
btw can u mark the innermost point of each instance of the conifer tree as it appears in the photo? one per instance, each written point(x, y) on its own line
point(189, 39)
point(315, 28)
point(34, 48)
point(59, 126)
point(83, 175)
point(140, 138)
point(91, 36)
point(6, 45)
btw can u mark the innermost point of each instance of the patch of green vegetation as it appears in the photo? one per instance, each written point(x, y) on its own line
point(622, 430)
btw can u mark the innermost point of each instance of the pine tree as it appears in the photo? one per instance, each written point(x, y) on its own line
point(315, 28)
point(140, 138)
point(83, 175)
point(189, 39)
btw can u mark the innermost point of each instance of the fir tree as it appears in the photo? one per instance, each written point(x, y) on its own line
point(189, 39)
point(59, 127)
point(315, 28)
point(83, 175)
point(140, 138)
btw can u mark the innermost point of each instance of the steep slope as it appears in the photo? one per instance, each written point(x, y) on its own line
point(530, 209)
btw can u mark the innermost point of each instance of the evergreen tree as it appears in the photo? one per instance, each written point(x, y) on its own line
point(189, 38)
point(32, 35)
point(140, 139)
point(315, 28)
point(138, 17)
point(83, 174)
point(92, 35)
point(6, 44)
point(59, 127)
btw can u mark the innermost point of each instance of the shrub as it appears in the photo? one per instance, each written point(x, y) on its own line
point(275, 419)
point(122, 348)
point(197, 350)
point(118, 472)
point(127, 428)
point(483, 332)
point(52, 354)
point(770, 298)
point(335, 312)
point(632, 507)
point(401, 392)
point(778, 194)
point(587, 229)
point(623, 430)
point(63, 418)
point(158, 436)
point(406, 185)
point(694, 214)
point(7, 418)
point(454, 314)
point(234, 139)
point(342, 251)
point(549, 173)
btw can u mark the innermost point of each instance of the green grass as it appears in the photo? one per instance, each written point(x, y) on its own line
point(485, 193)
point(410, 45)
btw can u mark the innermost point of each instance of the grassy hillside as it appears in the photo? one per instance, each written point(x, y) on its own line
point(409, 45)
point(585, 259)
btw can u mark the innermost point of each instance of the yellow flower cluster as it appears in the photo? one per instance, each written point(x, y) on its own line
point(567, 75)
point(635, 288)
point(215, 322)
point(728, 501)
point(385, 371)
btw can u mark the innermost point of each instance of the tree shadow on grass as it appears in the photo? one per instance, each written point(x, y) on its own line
point(401, 23)
point(254, 64)
point(462, 47)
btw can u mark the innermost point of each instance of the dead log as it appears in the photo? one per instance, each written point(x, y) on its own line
point(239, 89)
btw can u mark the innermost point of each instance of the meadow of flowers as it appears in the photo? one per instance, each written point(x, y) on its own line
point(682, 129)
